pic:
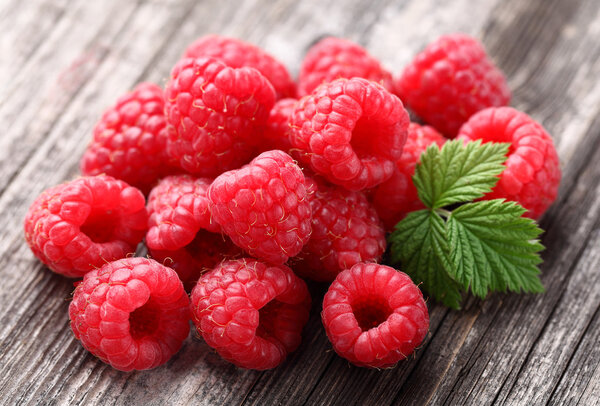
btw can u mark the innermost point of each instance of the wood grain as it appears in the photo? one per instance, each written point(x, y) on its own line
point(62, 63)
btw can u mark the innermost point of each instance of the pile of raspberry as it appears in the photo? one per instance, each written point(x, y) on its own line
point(242, 183)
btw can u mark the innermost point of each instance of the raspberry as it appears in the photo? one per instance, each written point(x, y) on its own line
point(263, 207)
point(130, 138)
point(351, 131)
point(132, 313)
point(80, 225)
point(237, 54)
point(451, 80)
point(345, 230)
point(178, 208)
point(181, 232)
point(276, 134)
point(397, 196)
point(374, 315)
point(216, 115)
point(202, 254)
point(334, 58)
point(532, 173)
point(250, 312)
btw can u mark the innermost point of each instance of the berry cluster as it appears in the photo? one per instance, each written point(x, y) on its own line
point(254, 181)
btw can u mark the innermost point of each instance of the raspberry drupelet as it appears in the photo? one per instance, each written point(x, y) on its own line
point(250, 312)
point(334, 58)
point(216, 115)
point(397, 196)
point(80, 225)
point(451, 80)
point(374, 316)
point(129, 140)
point(532, 173)
point(237, 54)
point(132, 313)
point(181, 233)
point(351, 131)
point(263, 207)
point(345, 231)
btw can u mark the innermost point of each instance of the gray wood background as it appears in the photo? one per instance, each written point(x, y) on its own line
point(62, 62)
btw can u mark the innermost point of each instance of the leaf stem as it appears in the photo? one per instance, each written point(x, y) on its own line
point(443, 212)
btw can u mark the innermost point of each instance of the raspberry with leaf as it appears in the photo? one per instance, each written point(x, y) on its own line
point(532, 172)
point(397, 196)
point(454, 244)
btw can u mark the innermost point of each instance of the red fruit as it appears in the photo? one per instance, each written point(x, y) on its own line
point(397, 196)
point(181, 231)
point(345, 231)
point(334, 58)
point(374, 316)
point(237, 54)
point(277, 132)
point(132, 313)
point(351, 131)
point(251, 313)
point(263, 207)
point(80, 225)
point(532, 173)
point(451, 80)
point(130, 139)
point(216, 115)
point(199, 256)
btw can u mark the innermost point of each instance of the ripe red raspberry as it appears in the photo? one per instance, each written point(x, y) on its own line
point(374, 315)
point(264, 207)
point(345, 231)
point(334, 58)
point(132, 313)
point(532, 173)
point(237, 54)
point(397, 196)
point(451, 80)
point(216, 114)
point(178, 208)
point(181, 231)
point(250, 312)
point(351, 131)
point(276, 134)
point(130, 139)
point(80, 225)
point(199, 256)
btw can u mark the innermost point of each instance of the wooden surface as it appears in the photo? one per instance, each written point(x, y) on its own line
point(62, 63)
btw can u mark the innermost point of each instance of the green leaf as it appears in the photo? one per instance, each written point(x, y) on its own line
point(420, 245)
point(493, 248)
point(458, 173)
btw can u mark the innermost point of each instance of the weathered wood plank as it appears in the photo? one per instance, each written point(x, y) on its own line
point(48, 81)
point(580, 300)
point(25, 26)
point(580, 383)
